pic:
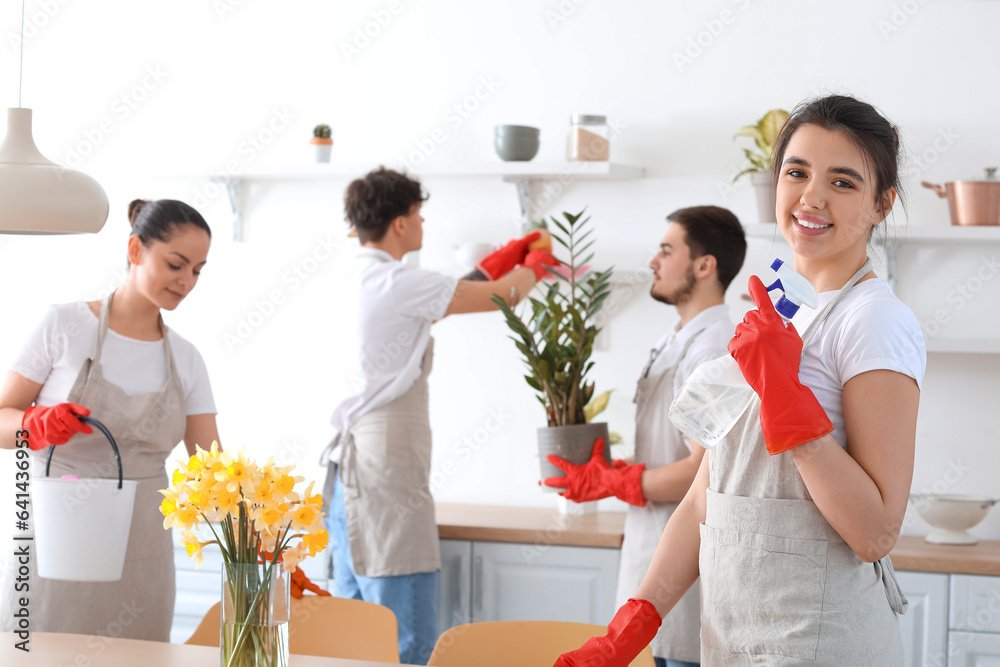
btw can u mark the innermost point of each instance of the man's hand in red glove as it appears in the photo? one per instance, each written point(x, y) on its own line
point(538, 260)
point(502, 261)
point(768, 353)
point(301, 583)
point(596, 479)
point(629, 632)
point(53, 425)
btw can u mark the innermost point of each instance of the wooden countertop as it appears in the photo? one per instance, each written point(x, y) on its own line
point(913, 553)
point(529, 525)
point(533, 525)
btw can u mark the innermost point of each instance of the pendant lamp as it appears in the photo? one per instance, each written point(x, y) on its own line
point(38, 196)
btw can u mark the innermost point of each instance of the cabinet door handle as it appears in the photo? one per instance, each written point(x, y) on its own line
point(456, 587)
point(477, 583)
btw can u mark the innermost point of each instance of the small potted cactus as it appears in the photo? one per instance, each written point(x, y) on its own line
point(322, 141)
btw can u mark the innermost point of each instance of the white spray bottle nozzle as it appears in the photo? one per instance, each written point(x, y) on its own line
point(797, 290)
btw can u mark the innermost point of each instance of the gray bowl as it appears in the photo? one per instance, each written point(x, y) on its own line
point(515, 147)
point(517, 130)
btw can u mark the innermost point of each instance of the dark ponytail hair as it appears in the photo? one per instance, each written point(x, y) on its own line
point(871, 132)
point(156, 220)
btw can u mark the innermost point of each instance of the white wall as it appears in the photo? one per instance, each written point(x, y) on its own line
point(232, 84)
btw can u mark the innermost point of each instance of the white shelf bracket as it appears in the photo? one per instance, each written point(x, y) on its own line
point(234, 189)
point(527, 189)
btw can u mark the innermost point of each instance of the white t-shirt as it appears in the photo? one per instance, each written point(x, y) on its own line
point(716, 331)
point(391, 306)
point(870, 329)
point(57, 349)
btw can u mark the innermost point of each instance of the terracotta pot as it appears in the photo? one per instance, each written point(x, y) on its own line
point(324, 147)
point(972, 202)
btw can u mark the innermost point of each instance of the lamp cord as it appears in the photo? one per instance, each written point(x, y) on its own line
point(20, 74)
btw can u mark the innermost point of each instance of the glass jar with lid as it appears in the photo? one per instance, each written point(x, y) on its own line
point(589, 139)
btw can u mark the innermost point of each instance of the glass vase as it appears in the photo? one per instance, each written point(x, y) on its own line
point(255, 601)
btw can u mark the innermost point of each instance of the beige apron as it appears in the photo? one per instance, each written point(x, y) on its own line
point(779, 585)
point(146, 427)
point(385, 466)
point(657, 443)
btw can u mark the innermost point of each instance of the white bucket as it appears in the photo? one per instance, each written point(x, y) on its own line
point(82, 527)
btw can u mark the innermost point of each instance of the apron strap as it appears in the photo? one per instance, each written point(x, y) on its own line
point(818, 321)
point(102, 327)
point(654, 353)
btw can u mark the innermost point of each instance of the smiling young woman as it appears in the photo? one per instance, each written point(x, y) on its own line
point(117, 361)
point(790, 518)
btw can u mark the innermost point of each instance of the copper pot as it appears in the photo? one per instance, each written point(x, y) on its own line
point(972, 202)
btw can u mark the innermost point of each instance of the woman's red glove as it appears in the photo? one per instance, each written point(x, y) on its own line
point(538, 261)
point(596, 479)
point(768, 353)
point(502, 261)
point(301, 583)
point(630, 631)
point(53, 425)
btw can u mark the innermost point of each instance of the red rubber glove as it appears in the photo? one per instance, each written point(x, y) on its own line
point(301, 583)
point(53, 425)
point(596, 479)
point(630, 631)
point(768, 353)
point(502, 261)
point(537, 261)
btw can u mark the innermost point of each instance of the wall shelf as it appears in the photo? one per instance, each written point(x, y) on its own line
point(528, 177)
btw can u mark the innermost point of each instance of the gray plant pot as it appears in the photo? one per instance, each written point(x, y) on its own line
point(763, 185)
point(573, 443)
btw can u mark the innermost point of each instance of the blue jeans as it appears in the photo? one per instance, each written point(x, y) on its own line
point(413, 598)
point(666, 662)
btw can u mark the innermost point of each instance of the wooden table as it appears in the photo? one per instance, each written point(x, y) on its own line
point(53, 649)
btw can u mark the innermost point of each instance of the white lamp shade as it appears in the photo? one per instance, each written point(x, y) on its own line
point(38, 196)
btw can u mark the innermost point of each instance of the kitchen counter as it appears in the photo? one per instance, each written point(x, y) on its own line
point(912, 553)
point(533, 525)
point(529, 525)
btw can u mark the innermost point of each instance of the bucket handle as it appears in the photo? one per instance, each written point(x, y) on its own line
point(107, 434)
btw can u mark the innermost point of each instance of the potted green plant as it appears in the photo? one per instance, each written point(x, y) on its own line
point(555, 335)
point(764, 133)
point(322, 141)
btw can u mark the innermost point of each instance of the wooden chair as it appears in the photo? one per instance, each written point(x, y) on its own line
point(522, 643)
point(327, 627)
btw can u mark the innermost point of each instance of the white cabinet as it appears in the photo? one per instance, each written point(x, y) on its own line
point(973, 649)
point(924, 626)
point(539, 582)
point(454, 585)
point(953, 620)
point(975, 603)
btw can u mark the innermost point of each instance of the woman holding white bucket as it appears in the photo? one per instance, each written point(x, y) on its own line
point(116, 361)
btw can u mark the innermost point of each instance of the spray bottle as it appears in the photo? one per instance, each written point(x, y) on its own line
point(716, 394)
